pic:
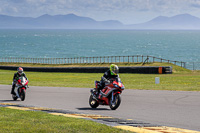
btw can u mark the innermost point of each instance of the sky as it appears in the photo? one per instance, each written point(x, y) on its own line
point(125, 11)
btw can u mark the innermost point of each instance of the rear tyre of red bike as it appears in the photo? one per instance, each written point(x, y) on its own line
point(116, 101)
point(93, 103)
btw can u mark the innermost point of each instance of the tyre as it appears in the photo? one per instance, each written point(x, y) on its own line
point(14, 97)
point(22, 95)
point(93, 103)
point(116, 101)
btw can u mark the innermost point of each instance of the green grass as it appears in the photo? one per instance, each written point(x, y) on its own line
point(181, 79)
point(30, 121)
point(184, 80)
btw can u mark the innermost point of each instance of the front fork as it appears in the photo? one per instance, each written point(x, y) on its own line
point(112, 97)
point(92, 93)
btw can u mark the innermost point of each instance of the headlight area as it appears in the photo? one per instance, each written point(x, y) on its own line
point(117, 86)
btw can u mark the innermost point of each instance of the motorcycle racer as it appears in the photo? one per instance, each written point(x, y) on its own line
point(16, 76)
point(108, 90)
point(111, 73)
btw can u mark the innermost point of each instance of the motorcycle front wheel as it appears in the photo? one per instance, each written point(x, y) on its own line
point(93, 103)
point(22, 95)
point(116, 101)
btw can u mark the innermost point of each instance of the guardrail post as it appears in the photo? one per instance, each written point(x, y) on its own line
point(128, 59)
point(142, 58)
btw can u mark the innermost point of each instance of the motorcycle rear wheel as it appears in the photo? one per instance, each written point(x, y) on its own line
point(93, 103)
point(116, 102)
point(22, 95)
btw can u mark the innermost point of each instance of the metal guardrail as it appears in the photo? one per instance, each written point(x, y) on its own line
point(100, 59)
point(192, 65)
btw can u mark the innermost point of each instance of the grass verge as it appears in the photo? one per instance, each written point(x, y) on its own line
point(32, 121)
point(175, 67)
point(182, 79)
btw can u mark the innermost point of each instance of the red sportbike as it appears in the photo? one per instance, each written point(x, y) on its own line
point(109, 95)
point(20, 89)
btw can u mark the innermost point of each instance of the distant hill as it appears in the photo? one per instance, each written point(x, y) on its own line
point(72, 21)
point(182, 21)
point(69, 21)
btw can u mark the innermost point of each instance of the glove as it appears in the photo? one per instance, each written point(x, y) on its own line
point(105, 80)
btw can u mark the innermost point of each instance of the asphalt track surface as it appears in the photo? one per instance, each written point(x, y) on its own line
point(180, 109)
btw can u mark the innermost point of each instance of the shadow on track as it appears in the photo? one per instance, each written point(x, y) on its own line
point(7, 100)
point(92, 109)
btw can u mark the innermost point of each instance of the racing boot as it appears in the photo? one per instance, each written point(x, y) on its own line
point(12, 90)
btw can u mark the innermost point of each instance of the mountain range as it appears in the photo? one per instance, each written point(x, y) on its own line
point(72, 21)
point(182, 21)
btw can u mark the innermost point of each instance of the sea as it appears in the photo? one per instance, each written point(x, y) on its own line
point(179, 45)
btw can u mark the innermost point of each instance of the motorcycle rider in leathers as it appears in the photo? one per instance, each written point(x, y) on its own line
point(16, 76)
point(109, 74)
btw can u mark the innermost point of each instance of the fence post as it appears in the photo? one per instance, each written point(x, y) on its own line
point(128, 59)
point(142, 58)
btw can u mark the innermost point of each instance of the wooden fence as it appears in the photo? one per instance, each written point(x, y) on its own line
point(88, 60)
